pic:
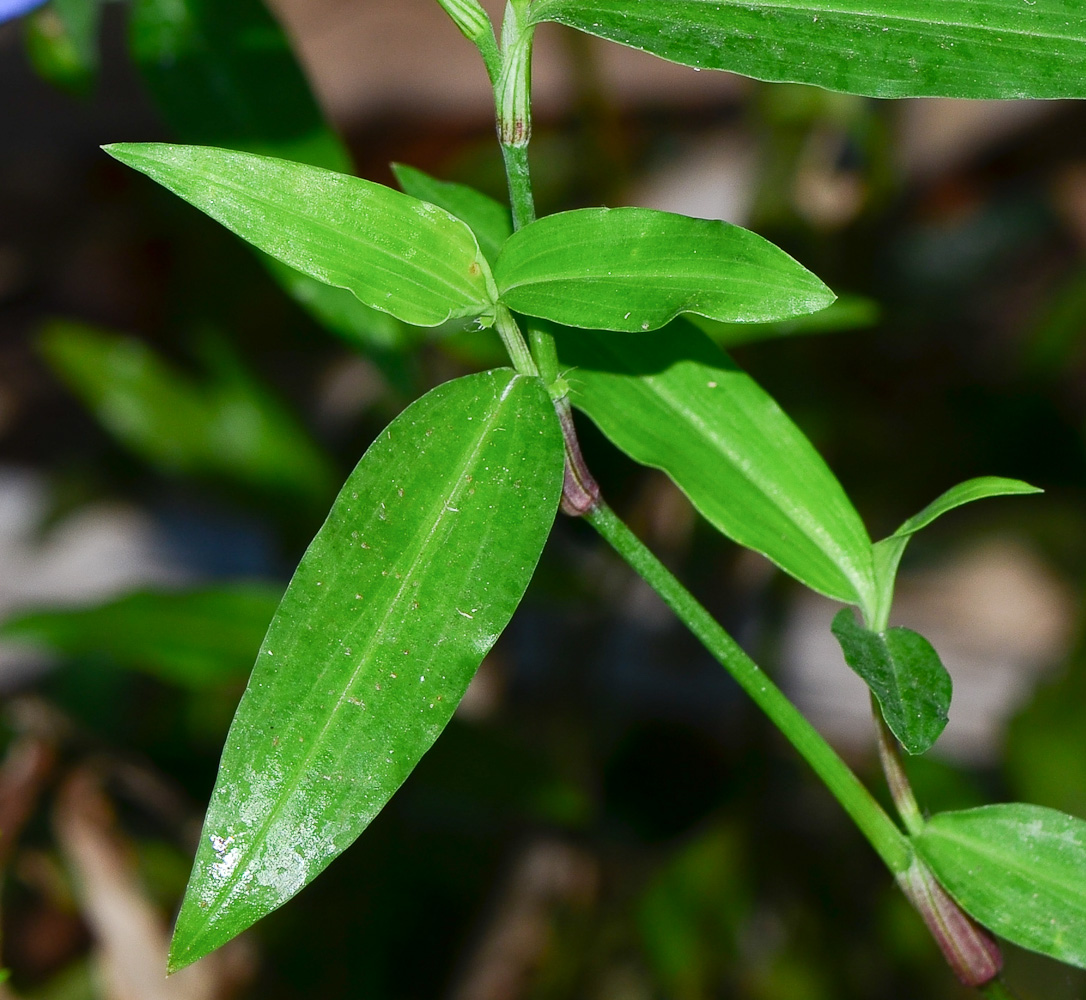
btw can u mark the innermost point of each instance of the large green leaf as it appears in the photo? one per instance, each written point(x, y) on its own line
point(904, 673)
point(848, 312)
point(193, 638)
point(1018, 869)
point(879, 48)
point(224, 75)
point(675, 401)
point(636, 269)
point(397, 254)
point(489, 219)
point(226, 426)
point(888, 552)
point(422, 561)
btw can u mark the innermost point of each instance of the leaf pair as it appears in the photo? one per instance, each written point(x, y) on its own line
point(622, 269)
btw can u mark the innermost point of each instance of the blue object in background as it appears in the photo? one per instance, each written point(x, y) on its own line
point(16, 8)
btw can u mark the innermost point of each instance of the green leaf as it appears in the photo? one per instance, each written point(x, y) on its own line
point(849, 312)
point(224, 75)
point(1018, 869)
point(888, 552)
point(676, 402)
point(878, 48)
point(397, 254)
point(197, 639)
point(62, 42)
point(637, 269)
point(226, 426)
point(422, 561)
point(489, 219)
point(904, 673)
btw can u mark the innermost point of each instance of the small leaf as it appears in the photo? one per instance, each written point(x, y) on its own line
point(878, 48)
point(396, 253)
point(197, 639)
point(676, 402)
point(888, 552)
point(423, 559)
point(1018, 869)
point(489, 219)
point(637, 269)
point(904, 673)
point(226, 426)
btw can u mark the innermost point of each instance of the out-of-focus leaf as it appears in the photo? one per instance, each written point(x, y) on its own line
point(848, 312)
point(634, 269)
point(675, 401)
point(1018, 869)
point(489, 219)
point(904, 673)
point(228, 427)
point(62, 42)
point(888, 552)
point(223, 74)
point(193, 638)
point(423, 559)
point(878, 48)
point(397, 254)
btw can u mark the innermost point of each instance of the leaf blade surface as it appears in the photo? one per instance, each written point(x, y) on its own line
point(425, 555)
point(636, 269)
point(876, 48)
point(395, 253)
point(904, 673)
point(1018, 869)
point(676, 402)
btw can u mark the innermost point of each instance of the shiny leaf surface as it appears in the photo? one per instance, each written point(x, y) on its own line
point(395, 253)
point(879, 48)
point(633, 269)
point(675, 401)
point(422, 561)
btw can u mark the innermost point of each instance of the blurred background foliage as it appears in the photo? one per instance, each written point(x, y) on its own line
point(606, 817)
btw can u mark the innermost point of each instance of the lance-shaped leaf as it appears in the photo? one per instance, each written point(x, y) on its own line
point(423, 559)
point(879, 48)
point(637, 269)
point(489, 219)
point(675, 401)
point(904, 673)
point(395, 253)
point(888, 552)
point(1018, 869)
point(225, 75)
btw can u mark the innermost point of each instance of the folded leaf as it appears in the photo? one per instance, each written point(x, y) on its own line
point(489, 219)
point(1018, 869)
point(879, 48)
point(888, 552)
point(904, 673)
point(397, 254)
point(423, 559)
point(637, 269)
point(675, 401)
point(848, 312)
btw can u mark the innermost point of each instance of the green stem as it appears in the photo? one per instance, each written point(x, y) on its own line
point(520, 184)
point(997, 990)
point(866, 813)
point(515, 347)
point(896, 778)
